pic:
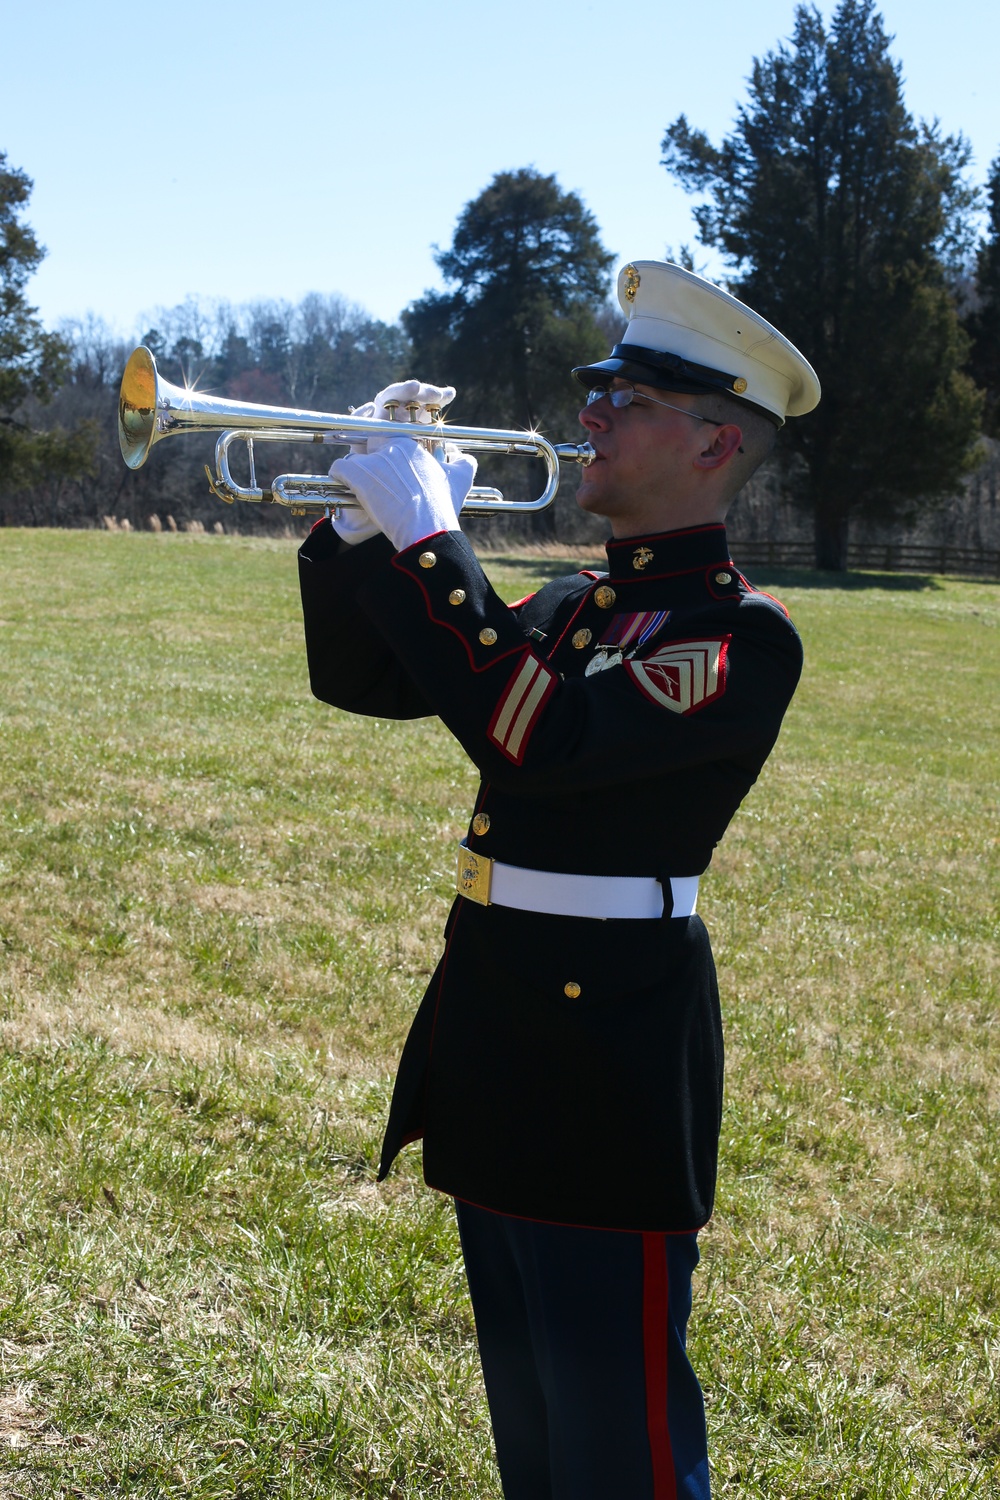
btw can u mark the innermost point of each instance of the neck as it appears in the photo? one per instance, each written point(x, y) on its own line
point(667, 515)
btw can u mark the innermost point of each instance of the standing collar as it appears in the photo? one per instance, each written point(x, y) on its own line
point(667, 552)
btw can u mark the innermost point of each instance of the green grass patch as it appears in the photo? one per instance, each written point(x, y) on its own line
point(221, 902)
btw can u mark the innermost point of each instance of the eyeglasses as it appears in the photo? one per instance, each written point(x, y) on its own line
point(623, 395)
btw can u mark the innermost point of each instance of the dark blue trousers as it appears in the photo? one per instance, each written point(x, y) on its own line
point(582, 1339)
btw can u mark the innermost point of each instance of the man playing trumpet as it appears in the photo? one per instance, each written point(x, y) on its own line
point(564, 1070)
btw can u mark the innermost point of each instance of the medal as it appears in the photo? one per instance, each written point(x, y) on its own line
point(606, 656)
point(625, 631)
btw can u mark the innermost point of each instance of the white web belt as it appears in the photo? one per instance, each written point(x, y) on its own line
point(491, 883)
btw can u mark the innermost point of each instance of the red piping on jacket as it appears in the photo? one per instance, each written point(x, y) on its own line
point(437, 619)
point(561, 1223)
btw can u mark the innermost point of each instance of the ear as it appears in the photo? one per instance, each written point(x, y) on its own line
point(723, 445)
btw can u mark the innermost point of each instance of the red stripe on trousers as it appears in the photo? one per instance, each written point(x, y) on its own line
point(655, 1315)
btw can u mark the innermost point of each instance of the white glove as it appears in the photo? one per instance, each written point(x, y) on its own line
point(408, 492)
point(353, 525)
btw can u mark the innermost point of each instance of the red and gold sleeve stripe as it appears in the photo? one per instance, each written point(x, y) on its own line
point(520, 704)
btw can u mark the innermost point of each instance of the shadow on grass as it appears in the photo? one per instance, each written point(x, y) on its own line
point(812, 578)
point(798, 578)
point(542, 567)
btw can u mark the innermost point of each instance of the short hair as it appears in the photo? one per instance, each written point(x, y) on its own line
point(759, 436)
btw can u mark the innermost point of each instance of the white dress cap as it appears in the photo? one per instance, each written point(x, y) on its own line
point(684, 333)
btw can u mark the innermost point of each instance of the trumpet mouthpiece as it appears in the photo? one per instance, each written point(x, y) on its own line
point(575, 453)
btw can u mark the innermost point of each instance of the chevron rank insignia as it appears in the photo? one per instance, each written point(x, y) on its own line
point(520, 704)
point(684, 675)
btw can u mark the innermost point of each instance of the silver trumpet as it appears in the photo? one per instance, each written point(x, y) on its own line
point(150, 409)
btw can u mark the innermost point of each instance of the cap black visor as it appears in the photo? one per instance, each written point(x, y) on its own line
point(665, 372)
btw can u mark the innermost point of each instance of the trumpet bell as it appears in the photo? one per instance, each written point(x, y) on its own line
point(137, 408)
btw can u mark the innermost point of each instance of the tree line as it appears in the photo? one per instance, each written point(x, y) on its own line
point(848, 223)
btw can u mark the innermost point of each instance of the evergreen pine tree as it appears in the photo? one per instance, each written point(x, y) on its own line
point(530, 277)
point(983, 323)
point(842, 219)
point(32, 361)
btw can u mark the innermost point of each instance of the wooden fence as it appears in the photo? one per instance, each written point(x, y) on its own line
point(891, 557)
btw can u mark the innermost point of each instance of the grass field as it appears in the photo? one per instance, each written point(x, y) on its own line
point(220, 903)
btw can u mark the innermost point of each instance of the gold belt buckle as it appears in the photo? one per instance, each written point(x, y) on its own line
point(475, 874)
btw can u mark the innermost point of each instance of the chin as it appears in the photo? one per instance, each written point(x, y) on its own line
point(589, 498)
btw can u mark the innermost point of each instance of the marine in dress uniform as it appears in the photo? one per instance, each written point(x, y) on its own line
point(565, 1068)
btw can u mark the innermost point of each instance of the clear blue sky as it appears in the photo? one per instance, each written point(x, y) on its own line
point(154, 132)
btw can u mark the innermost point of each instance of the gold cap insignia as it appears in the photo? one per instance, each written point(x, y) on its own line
point(631, 283)
point(581, 638)
point(604, 597)
point(641, 558)
point(739, 385)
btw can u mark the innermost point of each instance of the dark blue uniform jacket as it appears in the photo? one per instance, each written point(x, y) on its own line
point(602, 1109)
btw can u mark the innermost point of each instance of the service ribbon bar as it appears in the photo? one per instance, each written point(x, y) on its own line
point(626, 629)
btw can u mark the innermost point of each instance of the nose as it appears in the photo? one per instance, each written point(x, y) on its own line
point(597, 416)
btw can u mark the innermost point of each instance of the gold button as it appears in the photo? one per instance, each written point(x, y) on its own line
point(739, 385)
point(723, 577)
point(457, 596)
point(427, 559)
point(481, 823)
point(581, 638)
point(488, 636)
point(571, 990)
point(604, 597)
